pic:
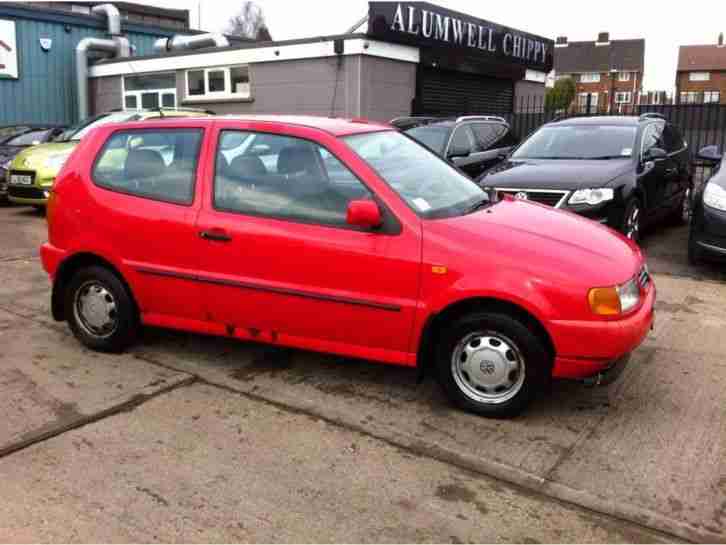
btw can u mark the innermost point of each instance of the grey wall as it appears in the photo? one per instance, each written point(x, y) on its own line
point(104, 94)
point(529, 96)
point(387, 88)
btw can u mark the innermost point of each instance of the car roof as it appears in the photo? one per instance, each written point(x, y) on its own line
point(596, 120)
point(331, 125)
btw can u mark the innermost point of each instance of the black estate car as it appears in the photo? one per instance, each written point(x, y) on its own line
point(472, 143)
point(14, 139)
point(623, 171)
point(707, 237)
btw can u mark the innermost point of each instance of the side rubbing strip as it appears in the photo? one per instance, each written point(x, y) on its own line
point(269, 289)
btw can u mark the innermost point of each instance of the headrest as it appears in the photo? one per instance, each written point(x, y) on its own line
point(246, 167)
point(144, 163)
point(296, 159)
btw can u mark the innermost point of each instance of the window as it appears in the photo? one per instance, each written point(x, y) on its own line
point(232, 82)
point(462, 141)
point(157, 164)
point(591, 77)
point(699, 76)
point(711, 97)
point(652, 138)
point(689, 97)
point(150, 91)
point(283, 177)
point(433, 137)
point(488, 134)
point(623, 76)
point(580, 142)
point(29, 138)
point(587, 103)
point(672, 139)
point(623, 98)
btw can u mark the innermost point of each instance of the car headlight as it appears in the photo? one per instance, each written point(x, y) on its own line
point(615, 300)
point(56, 160)
point(592, 196)
point(715, 196)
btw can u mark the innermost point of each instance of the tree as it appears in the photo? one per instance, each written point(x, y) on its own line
point(249, 23)
point(561, 95)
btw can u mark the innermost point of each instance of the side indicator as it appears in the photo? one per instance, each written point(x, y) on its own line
point(439, 269)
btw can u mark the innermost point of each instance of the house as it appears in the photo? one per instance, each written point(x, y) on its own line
point(701, 75)
point(608, 73)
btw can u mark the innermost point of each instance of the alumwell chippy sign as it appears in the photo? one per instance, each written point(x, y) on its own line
point(8, 50)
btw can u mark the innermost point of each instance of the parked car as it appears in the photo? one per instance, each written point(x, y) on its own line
point(707, 238)
point(354, 240)
point(627, 172)
point(472, 143)
point(14, 139)
point(32, 171)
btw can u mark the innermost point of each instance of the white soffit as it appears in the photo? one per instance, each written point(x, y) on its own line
point(358, 46)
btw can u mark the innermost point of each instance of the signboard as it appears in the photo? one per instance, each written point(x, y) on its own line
point(8, 51)
point(426, 25)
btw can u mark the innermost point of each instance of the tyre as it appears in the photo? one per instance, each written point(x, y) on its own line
point(681, 214)
point(631, 226)
point(491, 364)
point(100, 310)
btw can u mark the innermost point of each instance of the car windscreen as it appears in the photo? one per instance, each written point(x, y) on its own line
point(116, 117)
point(29, 138)
point(10, 131)
point(432, 137)
point(428, 184)
point(579, 142)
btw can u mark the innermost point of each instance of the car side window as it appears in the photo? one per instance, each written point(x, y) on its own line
point(652, 138)
point(283, 177)
point(673, 139)
point(157, 164)
point(462, 140)
point(487, 135)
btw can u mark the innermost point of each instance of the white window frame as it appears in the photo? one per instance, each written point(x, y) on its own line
point(215, 95)
point(711, 97)
point(623, 97)
point(582, 102)
point(689, 97)
point(623, 76)
point(137, 94)
point(699, 76)
point(590, 77)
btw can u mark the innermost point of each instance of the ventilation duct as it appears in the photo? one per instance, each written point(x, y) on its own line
point(182, 43)
point(116, 46)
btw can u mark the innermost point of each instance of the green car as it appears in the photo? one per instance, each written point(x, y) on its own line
point(33, 170)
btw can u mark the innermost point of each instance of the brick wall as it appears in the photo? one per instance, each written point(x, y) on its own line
point(717, 82)
point(606, 85)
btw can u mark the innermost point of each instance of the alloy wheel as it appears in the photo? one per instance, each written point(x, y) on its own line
point(686, 206)
point(488, 367)
point(632, 223)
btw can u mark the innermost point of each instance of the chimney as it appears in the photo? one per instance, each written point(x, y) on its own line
point(720, 39)
point(561, 41)
point(603, 37)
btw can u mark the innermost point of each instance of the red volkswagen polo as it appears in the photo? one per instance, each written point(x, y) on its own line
point(337, 236)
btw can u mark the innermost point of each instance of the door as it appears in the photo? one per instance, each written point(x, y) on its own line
point(282, 265)
point(654, 174)
point(145, 212)
point(678, 169)
point(452, 93)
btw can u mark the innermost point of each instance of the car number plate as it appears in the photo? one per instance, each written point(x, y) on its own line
point(21, 179)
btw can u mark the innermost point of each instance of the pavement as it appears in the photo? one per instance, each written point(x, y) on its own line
point(201, 439)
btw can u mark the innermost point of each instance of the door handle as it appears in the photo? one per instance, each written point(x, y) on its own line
point(216, 235)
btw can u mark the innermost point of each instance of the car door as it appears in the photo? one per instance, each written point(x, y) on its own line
point(282, 265)
point(461, 151)
point(146, 203)
point(678, 168)
point(653, 175)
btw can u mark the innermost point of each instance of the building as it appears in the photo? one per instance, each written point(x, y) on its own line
point(37, 47)
point(701, 75)
point(414, 58)
point(608, 73)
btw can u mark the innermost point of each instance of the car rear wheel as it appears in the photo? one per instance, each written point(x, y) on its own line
point(100, 311)
point(491, 364)
point(681, 214)
point(632, 220)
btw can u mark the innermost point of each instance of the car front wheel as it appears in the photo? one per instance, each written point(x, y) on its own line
point(100, 310)
point(632, 220)
point(491, 364)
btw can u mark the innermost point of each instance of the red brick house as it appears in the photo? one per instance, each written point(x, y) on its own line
point(608, 73)
point(701, 76)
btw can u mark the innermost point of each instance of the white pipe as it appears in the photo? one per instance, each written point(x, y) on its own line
point(179, 42)
point(112, 15)
point(82, 49)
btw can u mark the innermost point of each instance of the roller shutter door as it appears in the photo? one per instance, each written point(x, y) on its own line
point(444, 92)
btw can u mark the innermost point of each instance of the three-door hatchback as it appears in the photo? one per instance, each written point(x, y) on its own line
point(337, 236)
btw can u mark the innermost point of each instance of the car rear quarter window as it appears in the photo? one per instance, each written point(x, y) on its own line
point(158, 164)
point(283, 177)
point(489, 135)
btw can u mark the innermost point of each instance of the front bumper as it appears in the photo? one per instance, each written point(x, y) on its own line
point(709, 232)
point(32, 195)
point(51, 258)
point(587, 348)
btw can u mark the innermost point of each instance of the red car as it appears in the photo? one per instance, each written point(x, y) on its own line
point(337, 236)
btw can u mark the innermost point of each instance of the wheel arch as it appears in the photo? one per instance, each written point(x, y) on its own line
point(436, 323)
point(65, 273)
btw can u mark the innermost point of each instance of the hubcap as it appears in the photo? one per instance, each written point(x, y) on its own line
point(632, 224)
point(488, 367)
point(95, 309)
point(686, 209)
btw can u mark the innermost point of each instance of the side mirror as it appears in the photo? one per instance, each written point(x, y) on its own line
point(710, 154)
point(458, 151)
point(364, 213)
point(655, 154)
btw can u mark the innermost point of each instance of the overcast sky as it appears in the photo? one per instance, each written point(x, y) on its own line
point(664, 25)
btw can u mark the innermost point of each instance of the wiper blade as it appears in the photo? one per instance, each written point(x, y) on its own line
point(478, 205)
point(606, 157)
